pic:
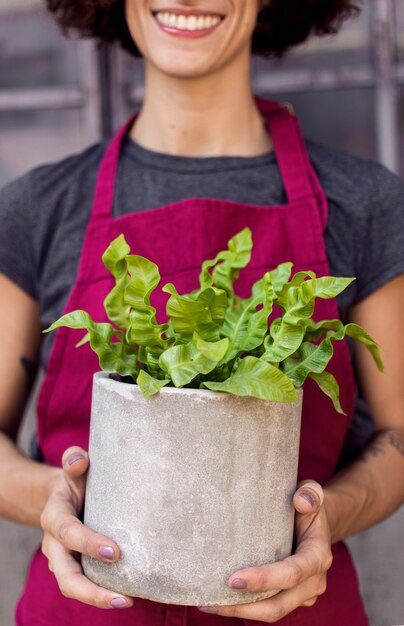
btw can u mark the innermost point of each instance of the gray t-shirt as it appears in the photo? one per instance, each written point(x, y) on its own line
point(43, 215)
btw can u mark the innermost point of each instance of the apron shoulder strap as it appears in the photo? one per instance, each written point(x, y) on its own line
point(299, 178)
point(106, 177)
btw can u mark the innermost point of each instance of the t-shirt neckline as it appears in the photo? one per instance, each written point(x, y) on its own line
point(185, 164)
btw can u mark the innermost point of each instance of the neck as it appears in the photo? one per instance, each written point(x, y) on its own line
point(213, 115)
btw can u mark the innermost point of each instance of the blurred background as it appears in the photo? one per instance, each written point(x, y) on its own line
point(58, 96)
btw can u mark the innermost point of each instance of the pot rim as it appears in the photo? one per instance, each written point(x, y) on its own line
point(105, 375)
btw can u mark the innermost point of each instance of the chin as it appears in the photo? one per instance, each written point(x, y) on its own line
point(176, 66)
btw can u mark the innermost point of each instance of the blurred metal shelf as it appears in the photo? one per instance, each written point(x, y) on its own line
point(41, 98)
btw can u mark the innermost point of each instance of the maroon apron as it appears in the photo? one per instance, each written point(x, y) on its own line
point(178, 237)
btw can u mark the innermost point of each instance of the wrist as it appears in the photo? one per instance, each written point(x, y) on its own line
point(347, 503)
point(48, 479)
point(35, 492)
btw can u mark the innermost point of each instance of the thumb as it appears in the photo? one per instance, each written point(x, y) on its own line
point(75, 461)
point(308, 498)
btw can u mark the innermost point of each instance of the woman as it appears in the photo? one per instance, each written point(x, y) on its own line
point(209, 156)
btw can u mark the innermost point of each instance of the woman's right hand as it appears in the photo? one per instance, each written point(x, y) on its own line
point(65, 536)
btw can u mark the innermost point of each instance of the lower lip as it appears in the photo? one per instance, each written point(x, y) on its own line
point(191, 34)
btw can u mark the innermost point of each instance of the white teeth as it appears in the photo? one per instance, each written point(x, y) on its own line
point(191, 23)
point(183, 22)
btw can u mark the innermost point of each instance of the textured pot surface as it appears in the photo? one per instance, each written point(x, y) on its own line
point(192, 485)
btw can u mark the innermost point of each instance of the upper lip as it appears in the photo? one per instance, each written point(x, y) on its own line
point(186, 11)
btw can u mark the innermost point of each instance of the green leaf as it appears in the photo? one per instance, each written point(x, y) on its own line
point(309, 358)
point(330, 286)
point(184, 362)
point(254, 377)
point(227, 264)
point(143, 329)
point(315, 357)
point(299, 307)
point(289, 336)
point(338, 331)
point(114, 256)
point(314, 330)
point(278, 277)
point(144, 277)
point(358, 333)
point(303, 292)
point(328, 385)
point(149, 385)
point(215, 300)
point(110, 355)
point(149, 356)
point(213, 351)
point(244, 325)
point(114, 259)
point(202, 313)
point(295, 281)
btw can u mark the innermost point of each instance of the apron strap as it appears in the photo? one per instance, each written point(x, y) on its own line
point(298, 176)
point(104, 195)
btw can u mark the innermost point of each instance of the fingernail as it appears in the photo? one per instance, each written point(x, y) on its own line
point(107, 552)
point(119, 603)
point(74, 458)
point(309, 498)
point(208, 609)
point(238, 583)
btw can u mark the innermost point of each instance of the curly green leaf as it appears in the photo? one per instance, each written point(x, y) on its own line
point(328, 385)
point(184, 362)
point(227, 264)
point(114, 259)
point(110, 354)
point(149, 385)
point(254, 377)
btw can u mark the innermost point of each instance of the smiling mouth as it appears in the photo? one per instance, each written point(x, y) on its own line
point(187, 24)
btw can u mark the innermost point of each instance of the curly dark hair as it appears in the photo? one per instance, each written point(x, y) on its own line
point(281, 25)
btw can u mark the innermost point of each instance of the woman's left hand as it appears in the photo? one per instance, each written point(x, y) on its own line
point(301, 577)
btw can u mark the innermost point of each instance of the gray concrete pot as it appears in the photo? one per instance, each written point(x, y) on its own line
point(192, 485)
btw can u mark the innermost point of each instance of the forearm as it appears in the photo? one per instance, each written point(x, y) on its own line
point(370, 489)
point(24, 484)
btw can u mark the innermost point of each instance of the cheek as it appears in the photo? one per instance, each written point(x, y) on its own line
point(247, 18)
point(136, 12)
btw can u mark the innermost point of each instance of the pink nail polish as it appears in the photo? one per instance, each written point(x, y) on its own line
point(107, 552)
point(119, 603)
point(238, 583)
point(74, 458)
point(309, 498)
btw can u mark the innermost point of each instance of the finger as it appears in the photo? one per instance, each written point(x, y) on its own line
point(284, 574)
point(277, 607)
point(310, 602)
point(44, 548)
point(73, 584)
point(75, 461)
point(68, 530)
point(308, 498)
point(313, 557)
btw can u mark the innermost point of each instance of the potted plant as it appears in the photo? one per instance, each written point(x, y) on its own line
point(195, 423)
